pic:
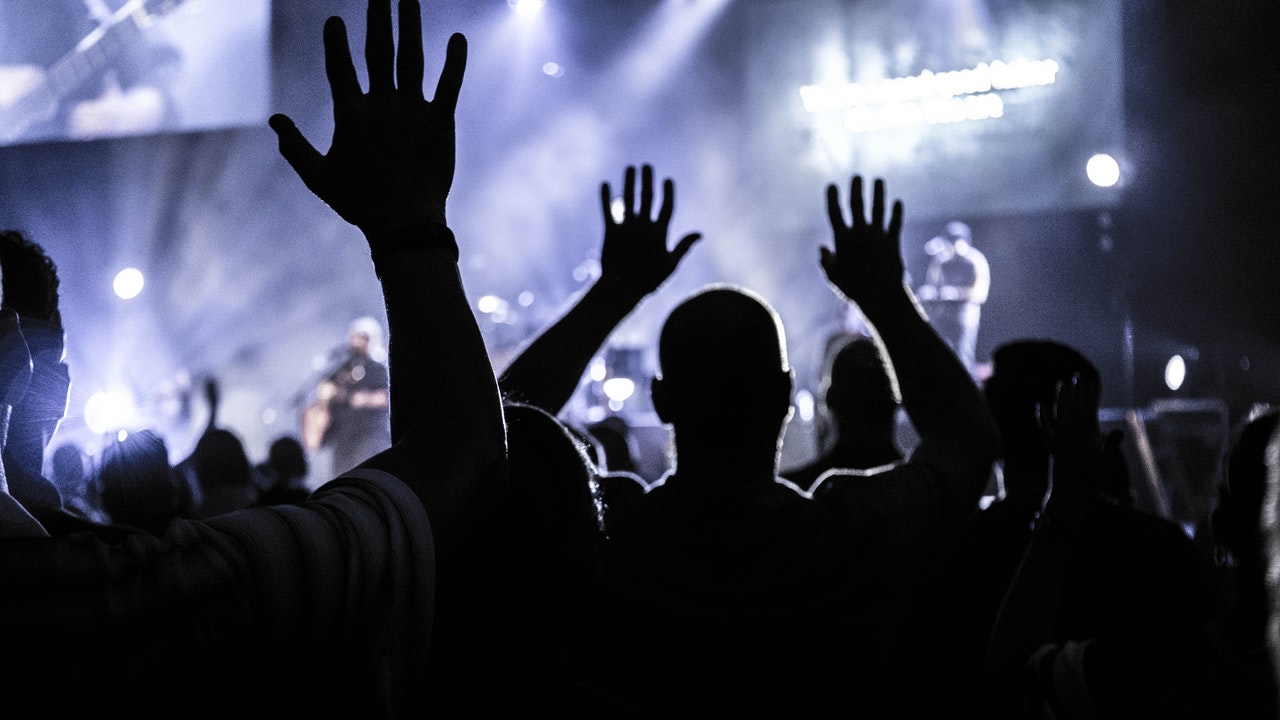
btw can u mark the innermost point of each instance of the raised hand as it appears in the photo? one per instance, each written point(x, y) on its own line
point(866, 262)
point(1069, 426)
point(634, 258)
point(15, 362)
point(390, 164)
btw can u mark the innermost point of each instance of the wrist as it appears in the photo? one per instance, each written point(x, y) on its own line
point(386, 246)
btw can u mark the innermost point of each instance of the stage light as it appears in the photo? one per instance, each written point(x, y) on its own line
point(490, 304)
point(552, 69)
point(527, 8)
point(128, 283)
point(109, 411)
point(1103, 170)
point(618, 389)
point(1175, 372)
point(805, 405)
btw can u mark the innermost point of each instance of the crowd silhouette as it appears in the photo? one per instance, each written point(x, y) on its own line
point(501, 558)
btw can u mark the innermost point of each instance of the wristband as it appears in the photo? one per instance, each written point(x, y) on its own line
point(410, 238)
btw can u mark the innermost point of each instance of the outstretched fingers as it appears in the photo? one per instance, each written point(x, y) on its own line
point(857, 207)
point(450, 82)
point(410, 63)
point(344, 85)
point(834, 213)
point(629, 193)
point(379, 47)
point(646, 191)
point(606, 205)
point(668, 202)
point(297, 150)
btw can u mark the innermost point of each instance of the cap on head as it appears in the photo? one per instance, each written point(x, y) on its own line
point(957, 230)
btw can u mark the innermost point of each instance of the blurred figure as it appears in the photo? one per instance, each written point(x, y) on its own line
point(349, 415)
point(282, 477)
point(956, 284)
point(857, 421)
point(30, 288)
point(1106, 613)
point(78, 487)
point(139, 486)
point(1239, 522)
point(83, 69)
point(218, 471)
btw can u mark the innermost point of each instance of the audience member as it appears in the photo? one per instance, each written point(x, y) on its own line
point(1107, 613)
point(724, 589)
point(857, 423)
point(80, 491)
point(30, 287)
point(282, 477)
point(358, 601)
point(1238, 524)
point(218, 471)
point(15, 372)
point(908, 515)
point(139, 485)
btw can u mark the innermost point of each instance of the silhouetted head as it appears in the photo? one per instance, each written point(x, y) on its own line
point(30, 285)
point(220, 459)
point(137, 483)
point(858, 389)
point(558, 516)
point(1237, 519)
point(722, 357)
point(68, 469)
point(287, 458)
point(1024, 376)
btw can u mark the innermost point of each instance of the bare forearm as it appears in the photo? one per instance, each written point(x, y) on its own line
point(442, 385)
point(939, 395)
point(546, 372)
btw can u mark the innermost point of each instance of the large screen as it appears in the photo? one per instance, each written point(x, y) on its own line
point(972, 107)
point(87, 69)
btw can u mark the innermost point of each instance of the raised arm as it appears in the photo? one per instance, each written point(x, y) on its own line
point(957, 433)
point(388, 171)
point(634, 263)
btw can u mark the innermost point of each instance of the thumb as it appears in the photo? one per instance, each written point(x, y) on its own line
point(296, 149)
point(683, 246)
point(827, 259)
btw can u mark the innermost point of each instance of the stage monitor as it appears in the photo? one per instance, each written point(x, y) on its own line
point(88, 69)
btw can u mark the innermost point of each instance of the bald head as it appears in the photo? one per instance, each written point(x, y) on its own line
point(722, 337)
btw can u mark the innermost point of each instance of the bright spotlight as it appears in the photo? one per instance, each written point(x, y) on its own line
point(805, 405)
point(128, 283)
point(527, 8)
point(1103, 170)
point(1175, 372)
point(619, 389)
point(553, 69)
point(108, 411)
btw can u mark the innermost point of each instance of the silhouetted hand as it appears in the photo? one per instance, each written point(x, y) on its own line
point(1069, 426)
point(391, 161)
point(15, 361)
point(634, 258)
point(866, 262)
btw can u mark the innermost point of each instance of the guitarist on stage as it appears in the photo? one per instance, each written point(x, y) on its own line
point(349, 414)
point(80, 69)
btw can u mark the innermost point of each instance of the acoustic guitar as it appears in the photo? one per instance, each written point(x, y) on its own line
point(40, 93)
